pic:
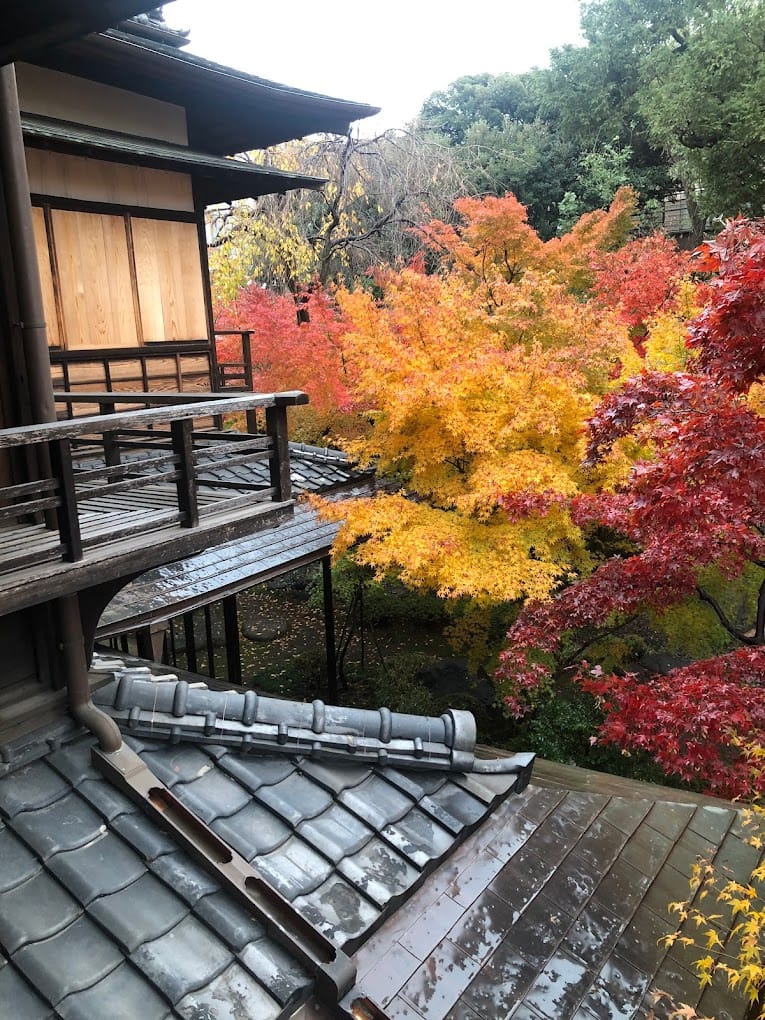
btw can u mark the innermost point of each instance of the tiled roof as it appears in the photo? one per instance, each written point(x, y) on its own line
point(101, 915)
point(553, 910)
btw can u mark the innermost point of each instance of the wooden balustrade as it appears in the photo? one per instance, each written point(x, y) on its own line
point(125, 472)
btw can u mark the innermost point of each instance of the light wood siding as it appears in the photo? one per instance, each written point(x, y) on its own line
point(169, 275)
point(66, 97)
point(94, 180)
point(95, 280)
point(46, 277)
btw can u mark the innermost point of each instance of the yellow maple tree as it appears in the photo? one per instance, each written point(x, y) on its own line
point(478, 379)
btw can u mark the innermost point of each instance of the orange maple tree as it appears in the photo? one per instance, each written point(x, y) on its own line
point(478, 379)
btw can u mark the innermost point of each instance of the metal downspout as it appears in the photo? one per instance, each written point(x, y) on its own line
point(77, 684)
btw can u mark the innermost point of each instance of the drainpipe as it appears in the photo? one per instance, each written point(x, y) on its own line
point(76, 672)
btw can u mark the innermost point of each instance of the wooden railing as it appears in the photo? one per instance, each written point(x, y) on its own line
point(236, 374)
point(97, 457)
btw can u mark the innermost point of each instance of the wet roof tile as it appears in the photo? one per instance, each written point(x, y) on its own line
point(483, 926)
point(102, 866)
point(592, 937)
point(618, 990)
point(376, 801)
point(186, 958)
point(712, 822)
point(334, 779)
point(36, 909)
point(179, 764)
point(105, 799)
point(18, 863)
point(31, 787)
point(73, 762)
point(143, 836)
point(294, 868)
point(338, 910)
point(229, 920)
point(75, 958)
point(669, 819)
point(253, 772)
point(647, 849)
point(27, 1005)
point(477, 876)
point(294, 798)
point(275, 969)
point(560, 986)
point(455, 803)
point(184, 877)
point(232, 995)
point(138, 913)
point(335, 832)
point(213, 795)
point(439, 982)
point(429, 928)
point(122, 995)
point(64, 825)
point(378, 872)
point(418, 837)
point(625, 814)
point(253, 830)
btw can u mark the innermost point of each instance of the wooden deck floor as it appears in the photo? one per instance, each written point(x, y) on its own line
point(123, 533)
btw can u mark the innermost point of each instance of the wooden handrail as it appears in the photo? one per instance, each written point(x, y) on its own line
point(28, 435)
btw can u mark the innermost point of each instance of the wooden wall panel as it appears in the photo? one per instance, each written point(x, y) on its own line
point(170, 282)
point(95, 280)
point(46, 277)
point(96, 180)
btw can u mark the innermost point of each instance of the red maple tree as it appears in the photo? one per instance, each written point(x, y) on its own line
point(696, 501)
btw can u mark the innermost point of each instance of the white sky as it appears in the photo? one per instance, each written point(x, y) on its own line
point(390, 53)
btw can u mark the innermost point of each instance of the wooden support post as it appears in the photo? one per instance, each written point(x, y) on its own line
point(111, 447)
point(210, 643)
point(276, 428)
point(182, 434)
point(68, 520)
point(151, 641)
point(233, 649)
point(329, 629)
point(190, 641)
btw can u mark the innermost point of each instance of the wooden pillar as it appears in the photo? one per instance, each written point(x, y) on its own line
point(329, 629)
point(233, 649)
point(190, 642)
point(151, 641)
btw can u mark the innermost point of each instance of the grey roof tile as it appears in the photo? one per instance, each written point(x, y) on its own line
point(294, 798)
point(625, 814)
point(522, 877)
point(102, 866)
point(514, 833)
point(122, 995)
point(108, 801)
point(383, 981)
point(712, 822)
point(582, 808)
point(64, 825)
point(476, 877)
point(594, 933)
point(560, 986)
point(418, 837)
point(143, 836)
point(487, 787)
point(229, 920)
point(275, 969)
point(294, 868)
point(663, 890)
point(213, 795)
point(186, 958)
point(601, 843)
point(669, 819)
point(338, 909)
point(184, 877)
point(376, 801)
point(378, 872)
point(16, 993)
point(640, 940)
point(34, 910)
point(233, 995)
point(253, 773)
point(618, 990)
point(501, 982)
point(18, 863)
point(179, 764)
point(75, 958)
point(736, 856)
point(431, 926)
point(690, 849)
point(539, 801)
point(460, 1011)
point(647, 849)
point(73, 762)
point(439, 982)
point(483, 926)
point(335, 832)
point(251, 831)
point(573, 883)
point(138, 913)
point(400, 1009)
point(622, 889)
point(30, 787)
point(334, 779)
point(456, 803)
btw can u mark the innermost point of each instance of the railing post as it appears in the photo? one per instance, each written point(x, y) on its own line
point(68, 520)
point(182, 437)
point(247, 359)
point(111, 447)
point(279, 463)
